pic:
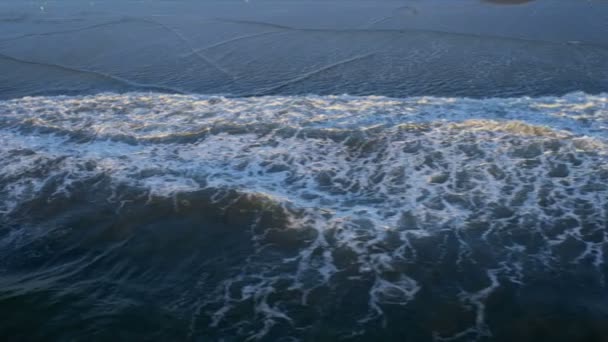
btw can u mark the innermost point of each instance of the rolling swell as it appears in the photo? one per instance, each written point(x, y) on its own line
point(274, 217)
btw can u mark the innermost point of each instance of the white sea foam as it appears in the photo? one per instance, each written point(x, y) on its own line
point(370, 175)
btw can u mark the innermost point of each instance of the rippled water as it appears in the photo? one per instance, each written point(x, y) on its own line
point(192, 170)
point(469, 48)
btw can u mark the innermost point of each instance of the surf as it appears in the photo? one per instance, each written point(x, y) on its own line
point(330, 194)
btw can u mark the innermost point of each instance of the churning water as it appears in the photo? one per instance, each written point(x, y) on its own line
point(305, 216)
point(459, 193)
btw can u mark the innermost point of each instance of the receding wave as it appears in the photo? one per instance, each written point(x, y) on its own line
point(337, 194)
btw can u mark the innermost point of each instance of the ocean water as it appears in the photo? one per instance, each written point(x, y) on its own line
point(304, 171)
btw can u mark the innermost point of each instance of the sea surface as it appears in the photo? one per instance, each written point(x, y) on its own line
point(416, 170)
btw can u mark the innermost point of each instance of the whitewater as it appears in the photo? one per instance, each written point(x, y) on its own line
point(361, 210)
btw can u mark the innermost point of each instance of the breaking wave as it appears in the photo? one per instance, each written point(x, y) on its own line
point(366, 208)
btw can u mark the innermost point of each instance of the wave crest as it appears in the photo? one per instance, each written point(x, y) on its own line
point(369, 180)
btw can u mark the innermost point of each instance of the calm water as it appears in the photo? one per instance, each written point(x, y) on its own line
point(304, 171)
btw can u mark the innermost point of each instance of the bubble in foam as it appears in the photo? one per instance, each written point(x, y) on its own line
point(501, 184)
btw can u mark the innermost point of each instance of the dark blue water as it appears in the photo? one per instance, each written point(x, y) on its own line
point(304, 171)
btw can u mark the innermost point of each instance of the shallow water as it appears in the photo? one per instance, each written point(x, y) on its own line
point(193, 171)
point(392, 48)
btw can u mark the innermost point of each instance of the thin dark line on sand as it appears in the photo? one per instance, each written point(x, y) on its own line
point(43, 34)
point(189, 44)
point(165, 27)
point(310, 74)
point(113, 78)
point(376, 21)
point(410, 30)
point(235, 39)
point(290, 28)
